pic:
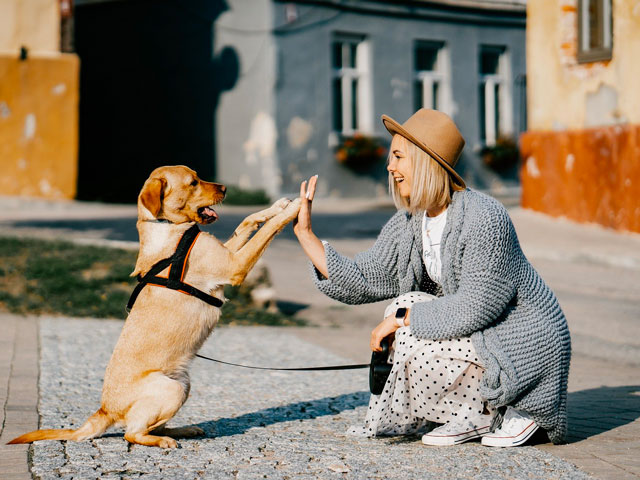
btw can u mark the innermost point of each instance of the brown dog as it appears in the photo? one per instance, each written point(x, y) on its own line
point(146, 381)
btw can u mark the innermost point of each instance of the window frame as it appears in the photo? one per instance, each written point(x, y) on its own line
point(503, 117)
point(348, 75)
point(605, 32)
point(438, 76)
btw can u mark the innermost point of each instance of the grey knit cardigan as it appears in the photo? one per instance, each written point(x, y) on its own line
point(489, 291)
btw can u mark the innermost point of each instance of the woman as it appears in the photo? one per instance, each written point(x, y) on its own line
point(481, 344)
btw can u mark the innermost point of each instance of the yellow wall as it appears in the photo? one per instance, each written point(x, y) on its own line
point(563, 94)
point(32, 23)
point(38, 103)
point(39, 125)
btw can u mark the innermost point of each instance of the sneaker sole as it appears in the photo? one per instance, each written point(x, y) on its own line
point(514, 441)
point(447, 440)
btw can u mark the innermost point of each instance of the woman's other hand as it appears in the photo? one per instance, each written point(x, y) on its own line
point(385, 328)
point(311, 244)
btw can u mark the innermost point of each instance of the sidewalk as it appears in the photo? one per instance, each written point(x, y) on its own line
point(595, 273)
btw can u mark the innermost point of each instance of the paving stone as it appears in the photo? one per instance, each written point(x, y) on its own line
point(259, 424)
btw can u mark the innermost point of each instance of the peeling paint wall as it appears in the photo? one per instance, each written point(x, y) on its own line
point(581, 156)
point(246, 133)
point(585, 175)
point(38, 126)
point(38, 103)
point(591, 94)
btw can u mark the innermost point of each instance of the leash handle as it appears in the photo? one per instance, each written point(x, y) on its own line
point(299, 369)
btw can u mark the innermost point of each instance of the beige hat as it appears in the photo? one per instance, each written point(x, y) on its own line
point(435, 133)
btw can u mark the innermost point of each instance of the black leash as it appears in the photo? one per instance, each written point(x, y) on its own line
point(298, 369)
point(379, 368)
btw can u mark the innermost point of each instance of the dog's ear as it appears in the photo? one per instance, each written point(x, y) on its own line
point(152, 194)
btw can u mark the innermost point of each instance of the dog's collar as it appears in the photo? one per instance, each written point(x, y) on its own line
point(177, 265)
point(158, 220)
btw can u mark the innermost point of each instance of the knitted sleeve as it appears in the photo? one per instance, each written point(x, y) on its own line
point(486, 283)
point(370, 276)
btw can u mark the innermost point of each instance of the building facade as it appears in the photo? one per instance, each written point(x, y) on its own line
point(38, 102)
point(581, 155)
point(315, 73)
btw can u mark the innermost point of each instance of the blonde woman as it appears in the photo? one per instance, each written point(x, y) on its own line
point(481, 345)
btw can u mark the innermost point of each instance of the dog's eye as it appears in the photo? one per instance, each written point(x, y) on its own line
point(194, 183)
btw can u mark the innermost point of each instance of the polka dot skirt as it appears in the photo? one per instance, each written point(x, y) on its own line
point(430, 381)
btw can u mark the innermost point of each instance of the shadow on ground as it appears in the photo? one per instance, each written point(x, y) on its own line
point(306, 410)
point(598, 410)
point(327, 225)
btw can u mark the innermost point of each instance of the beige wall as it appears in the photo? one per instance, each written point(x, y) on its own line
point(38, 103)
point(563, 94)
point(32, 23)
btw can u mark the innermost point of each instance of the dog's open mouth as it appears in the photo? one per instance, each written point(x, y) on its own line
point(207, 214)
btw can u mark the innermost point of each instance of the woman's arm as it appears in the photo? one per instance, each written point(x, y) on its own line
point(309, 242)
point(369, 277)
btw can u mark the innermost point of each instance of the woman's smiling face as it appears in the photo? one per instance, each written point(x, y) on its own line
point(400, 166)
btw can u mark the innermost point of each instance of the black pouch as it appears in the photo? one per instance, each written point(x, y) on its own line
point(379, 370)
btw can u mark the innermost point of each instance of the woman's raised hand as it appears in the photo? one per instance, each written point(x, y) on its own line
point(311, 244)
point(302, 225)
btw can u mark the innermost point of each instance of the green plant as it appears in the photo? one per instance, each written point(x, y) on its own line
point(360, 152)
point(39, 276)
point(241, 196)
point(502, 156)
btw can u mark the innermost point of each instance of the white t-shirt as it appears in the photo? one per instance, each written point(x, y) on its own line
point(432, 228)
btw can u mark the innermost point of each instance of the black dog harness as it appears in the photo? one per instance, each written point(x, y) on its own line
point(379, 368)
point(176, 264)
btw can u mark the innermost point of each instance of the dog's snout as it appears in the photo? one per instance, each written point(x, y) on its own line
point(223, 189)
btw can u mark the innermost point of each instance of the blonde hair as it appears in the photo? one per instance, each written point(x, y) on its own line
point(432, 186)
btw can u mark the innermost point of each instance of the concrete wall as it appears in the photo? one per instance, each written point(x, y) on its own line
point(38, 103)
point(304, 84)
point(32, 23)
point(245, 118)
point(582, 153)
point(275, 127)
point(591, 94)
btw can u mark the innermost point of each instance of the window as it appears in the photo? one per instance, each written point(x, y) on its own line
point(430, 75)
point(594, 30)
point(494, 94)
point(351, 90)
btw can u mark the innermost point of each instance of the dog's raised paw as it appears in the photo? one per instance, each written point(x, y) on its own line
point(282, 203)
point(293, 208)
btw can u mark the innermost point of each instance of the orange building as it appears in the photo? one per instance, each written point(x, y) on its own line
point(38, 102)
point(581, 153)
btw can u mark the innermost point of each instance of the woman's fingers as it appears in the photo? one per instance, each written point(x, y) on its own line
point(303, 190)
point(312, 188)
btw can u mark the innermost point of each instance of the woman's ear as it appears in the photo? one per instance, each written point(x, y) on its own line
point(152, 195)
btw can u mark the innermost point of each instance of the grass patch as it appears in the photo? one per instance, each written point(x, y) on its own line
point(241, 196)
point(39, 277)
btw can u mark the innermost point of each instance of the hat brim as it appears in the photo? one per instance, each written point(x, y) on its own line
point(395, 128)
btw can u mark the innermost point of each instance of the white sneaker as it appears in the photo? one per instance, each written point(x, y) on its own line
point(454, 433)
point(517, 427)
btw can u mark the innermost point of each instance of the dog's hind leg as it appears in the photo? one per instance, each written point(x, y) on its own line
point(162, 398)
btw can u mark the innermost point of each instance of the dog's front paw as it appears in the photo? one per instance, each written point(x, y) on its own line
point(291, 211)
point(282, 203)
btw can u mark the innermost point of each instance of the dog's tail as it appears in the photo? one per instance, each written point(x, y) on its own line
point(95, 425)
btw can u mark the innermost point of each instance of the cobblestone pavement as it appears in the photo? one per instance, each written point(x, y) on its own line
point(258, 424)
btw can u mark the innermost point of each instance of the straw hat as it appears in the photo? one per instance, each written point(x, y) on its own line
point(435, 133)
